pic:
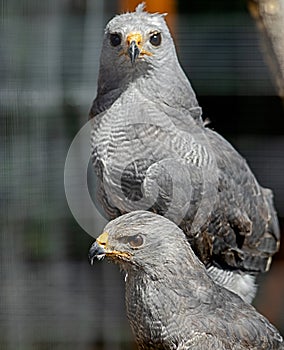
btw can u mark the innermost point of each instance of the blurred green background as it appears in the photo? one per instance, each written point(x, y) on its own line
point(50, 297)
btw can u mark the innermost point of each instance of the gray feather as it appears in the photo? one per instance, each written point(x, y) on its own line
point(151, 150)
point(172, 302)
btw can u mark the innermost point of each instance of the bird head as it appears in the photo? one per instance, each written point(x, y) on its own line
point(136, 37)
point(143, 240)
point(138, 48)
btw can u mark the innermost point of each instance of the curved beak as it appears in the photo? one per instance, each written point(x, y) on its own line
point(98, 248)
point(133, 51)
point(96, 252)
point(134, 42)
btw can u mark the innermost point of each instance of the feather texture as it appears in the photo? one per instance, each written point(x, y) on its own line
point(172, 302)
point(151, 150)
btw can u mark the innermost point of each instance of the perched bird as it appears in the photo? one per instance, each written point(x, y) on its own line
point(151, 150)
point(172, 303)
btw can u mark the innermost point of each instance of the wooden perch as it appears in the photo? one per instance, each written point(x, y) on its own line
point(269, 16)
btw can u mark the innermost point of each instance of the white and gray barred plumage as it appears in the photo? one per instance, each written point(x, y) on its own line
point(172, 302)
point(151, 150)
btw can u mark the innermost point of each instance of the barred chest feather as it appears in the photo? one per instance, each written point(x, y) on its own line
point(144, 303)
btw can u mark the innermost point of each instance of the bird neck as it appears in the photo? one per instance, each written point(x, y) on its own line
point(153, 301)
point(166, 84)
point(169, 85)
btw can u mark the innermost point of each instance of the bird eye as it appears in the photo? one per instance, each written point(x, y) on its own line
point(155, 39)
point(135, 241)
point(115, 39)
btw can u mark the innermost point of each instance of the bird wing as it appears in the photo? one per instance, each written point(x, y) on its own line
point(228, 217)
point(222, 318)
point(245, 323)
point(244, 223)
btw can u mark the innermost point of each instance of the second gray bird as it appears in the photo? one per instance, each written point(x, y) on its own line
point(151, 150)
point(172, 303)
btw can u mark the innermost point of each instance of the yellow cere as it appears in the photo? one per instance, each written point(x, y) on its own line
point(103, 238)
point(137, 37)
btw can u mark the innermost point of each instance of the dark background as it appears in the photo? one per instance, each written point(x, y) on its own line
point(50, 297)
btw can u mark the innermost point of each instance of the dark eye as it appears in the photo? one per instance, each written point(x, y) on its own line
point(135, 241)
point(115, 39)
point(155, 39)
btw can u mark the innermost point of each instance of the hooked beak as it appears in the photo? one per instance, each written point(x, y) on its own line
point(135, 47)
point(133, 51)
point(97, 250)
point(134, 42)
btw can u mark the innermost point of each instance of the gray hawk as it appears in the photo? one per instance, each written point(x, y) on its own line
point(172, 302)
point(152, 150)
